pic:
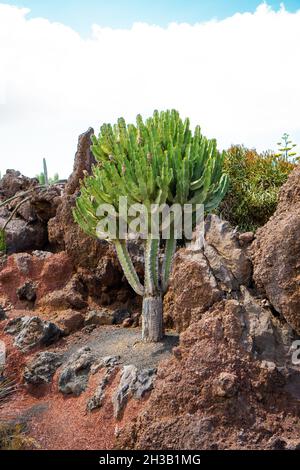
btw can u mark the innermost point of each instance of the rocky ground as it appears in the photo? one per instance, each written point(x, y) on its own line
point(223, 378)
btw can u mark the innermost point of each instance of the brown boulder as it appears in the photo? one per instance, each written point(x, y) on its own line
point(276, 254)
point(45, 203)
point(215, 393)
point(13, 182)
point(206, 272)
point(227, 248)
point(24, 236)
point(70, 321)
point(193, 289)
point(72, 296)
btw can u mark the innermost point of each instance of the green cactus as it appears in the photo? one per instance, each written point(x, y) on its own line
point(159, 161)
point(45, 172)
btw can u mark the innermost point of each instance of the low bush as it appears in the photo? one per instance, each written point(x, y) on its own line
point(13, 437)
point(254, 183)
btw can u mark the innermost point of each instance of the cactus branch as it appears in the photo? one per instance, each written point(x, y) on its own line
point(127, 266)
point(168, 261)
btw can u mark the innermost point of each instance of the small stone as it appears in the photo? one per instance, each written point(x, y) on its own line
point(42, 254)
point(111, 361)
point(88, 329)
point(177, 352)
point(108, 361)
point(127, 323)
point(134, 384)
point(27, 292)
point(226, 385)
point(2, 314)
point(70, 321)
point(123, 392)
point(144, 383)
point(277, 443)
point(119, 316)
point(246, 238)
point(271, 366)
point(100, 318)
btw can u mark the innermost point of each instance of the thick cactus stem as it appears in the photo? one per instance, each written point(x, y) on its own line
point(151, 267)
point(152, 331)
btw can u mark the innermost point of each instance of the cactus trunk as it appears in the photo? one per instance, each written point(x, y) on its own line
point(152, 330)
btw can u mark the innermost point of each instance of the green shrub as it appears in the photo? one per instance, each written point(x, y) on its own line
point(254, 183)
point(42, 180)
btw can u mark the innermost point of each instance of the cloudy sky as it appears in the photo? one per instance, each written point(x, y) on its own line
point(232, 67)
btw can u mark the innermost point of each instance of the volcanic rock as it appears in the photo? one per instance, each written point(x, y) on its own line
point(75, 374)
point(31, 332)
point(133, 384)
point(27, 291)
point(42, 368)
point(215, 393)
point(276, 254)
point(13, 182)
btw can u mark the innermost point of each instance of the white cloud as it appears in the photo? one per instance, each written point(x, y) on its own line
point(238, 78)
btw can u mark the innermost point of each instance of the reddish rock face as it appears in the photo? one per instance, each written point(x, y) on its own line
point(276, 254)
point(48, 274)
point(214, 393)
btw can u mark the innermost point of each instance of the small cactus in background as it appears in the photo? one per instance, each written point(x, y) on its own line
point(43, 177)
point(286, 149)
point(45, 172)
point(159, 161)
